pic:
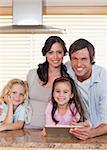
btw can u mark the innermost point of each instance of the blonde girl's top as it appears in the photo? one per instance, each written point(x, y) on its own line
point(38, 99)
point(66, 119)
point(19, 114)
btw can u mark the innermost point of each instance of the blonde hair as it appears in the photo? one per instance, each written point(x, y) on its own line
point(7, 89)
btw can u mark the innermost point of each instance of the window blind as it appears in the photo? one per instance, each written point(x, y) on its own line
point(21, 52)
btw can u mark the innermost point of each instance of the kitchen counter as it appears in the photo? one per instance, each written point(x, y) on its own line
point(31, 139)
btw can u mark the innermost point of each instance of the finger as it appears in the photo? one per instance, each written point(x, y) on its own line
point(82, 136)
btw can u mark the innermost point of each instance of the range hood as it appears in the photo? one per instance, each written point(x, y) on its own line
point(27, 12)
point(28, 18)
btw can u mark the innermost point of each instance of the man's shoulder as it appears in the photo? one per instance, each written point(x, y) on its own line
point(68, 64)
point(99, 69)
point(99, 73)
point(69, 69)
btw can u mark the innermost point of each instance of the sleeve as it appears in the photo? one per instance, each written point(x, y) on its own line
point(102, 92)
point(28, 112)
point(48, 111)
point(31, 76)
point(19, 114)
point(3, 111)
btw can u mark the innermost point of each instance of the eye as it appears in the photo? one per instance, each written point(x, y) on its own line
point(21, 94)
point(50, 52)
point(14, 92)
point(84, 59)
point(57, 91)
point(73, 58)
point(59, 52)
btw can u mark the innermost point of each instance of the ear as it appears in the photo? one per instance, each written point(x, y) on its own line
point(92, 62)
point(72, 95)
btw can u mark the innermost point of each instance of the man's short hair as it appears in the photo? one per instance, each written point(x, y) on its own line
point(80, 44)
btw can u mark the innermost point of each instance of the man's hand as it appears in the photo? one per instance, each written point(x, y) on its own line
point(82, 133)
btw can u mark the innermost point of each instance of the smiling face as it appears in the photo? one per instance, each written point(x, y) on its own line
point(62, 93)
point(81, 64)
point(17, 94)
point(55, 55)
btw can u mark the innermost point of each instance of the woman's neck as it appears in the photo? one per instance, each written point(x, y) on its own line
point(54, 71)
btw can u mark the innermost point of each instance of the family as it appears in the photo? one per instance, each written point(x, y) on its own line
point(74, 93)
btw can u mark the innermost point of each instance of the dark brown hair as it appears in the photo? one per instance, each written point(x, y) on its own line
point(42, 70)
point(75, 99)
point(80, 44)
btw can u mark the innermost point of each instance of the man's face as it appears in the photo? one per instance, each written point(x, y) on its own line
point(80, 61)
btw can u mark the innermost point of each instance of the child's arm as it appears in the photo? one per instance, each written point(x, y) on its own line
point(12, 126)
point(9, 115)
point(19, 120)
point(43, 132)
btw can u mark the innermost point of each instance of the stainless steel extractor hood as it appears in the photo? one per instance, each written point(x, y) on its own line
point(27, 12)
point(27, 17)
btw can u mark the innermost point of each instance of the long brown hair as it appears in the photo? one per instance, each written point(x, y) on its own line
point(75, 99)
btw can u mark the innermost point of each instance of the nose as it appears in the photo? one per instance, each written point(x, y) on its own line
point(17, 97)
point(61, 94)
point(79, 63)
point(55, 55)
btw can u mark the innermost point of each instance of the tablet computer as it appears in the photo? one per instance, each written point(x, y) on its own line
point(59, 131)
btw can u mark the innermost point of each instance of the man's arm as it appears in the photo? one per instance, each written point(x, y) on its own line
point(87, 132)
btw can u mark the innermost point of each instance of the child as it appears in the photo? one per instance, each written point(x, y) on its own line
point(64, 107)
point(12, 109)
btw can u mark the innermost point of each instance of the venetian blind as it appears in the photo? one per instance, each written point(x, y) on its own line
point(21, 52)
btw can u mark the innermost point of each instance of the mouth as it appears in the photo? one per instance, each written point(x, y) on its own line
point(56, 61)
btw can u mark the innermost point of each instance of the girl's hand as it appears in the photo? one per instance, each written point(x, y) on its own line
point(43, 132)
point(7, 99)
point(2, 127)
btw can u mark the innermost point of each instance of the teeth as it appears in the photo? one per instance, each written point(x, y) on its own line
point(79, 69)
point(55, 61)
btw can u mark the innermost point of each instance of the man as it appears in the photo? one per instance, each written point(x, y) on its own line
point(91, 82)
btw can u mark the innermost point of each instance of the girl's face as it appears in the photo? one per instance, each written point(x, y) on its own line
point(62, 93)
point(55, 55)
point(17, 94)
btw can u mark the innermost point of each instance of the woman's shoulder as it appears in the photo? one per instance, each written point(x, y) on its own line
point(31, 76)
point(31, 72)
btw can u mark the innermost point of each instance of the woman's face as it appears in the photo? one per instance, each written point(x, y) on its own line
point(55, 55)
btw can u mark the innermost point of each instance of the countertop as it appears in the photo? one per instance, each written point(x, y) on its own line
point(31, 139)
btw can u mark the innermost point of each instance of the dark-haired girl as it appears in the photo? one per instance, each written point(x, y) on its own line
point(64, 107)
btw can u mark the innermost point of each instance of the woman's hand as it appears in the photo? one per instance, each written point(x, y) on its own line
point(83, 132)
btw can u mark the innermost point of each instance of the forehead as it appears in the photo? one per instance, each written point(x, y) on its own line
point(18, 87)
point(81, 53)
point(64, 84)
point(56, 46)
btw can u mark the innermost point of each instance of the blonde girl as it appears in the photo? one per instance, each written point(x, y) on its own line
point(12, 108)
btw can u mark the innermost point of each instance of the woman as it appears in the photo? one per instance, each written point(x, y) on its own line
point(40, 80)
